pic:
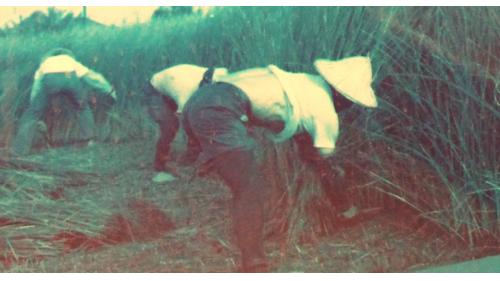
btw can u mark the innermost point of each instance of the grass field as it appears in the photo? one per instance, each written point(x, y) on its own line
point(431, 149)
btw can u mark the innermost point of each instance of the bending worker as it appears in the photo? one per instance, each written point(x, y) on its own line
point(167, 92)
point(292, 105)
point(60, 73)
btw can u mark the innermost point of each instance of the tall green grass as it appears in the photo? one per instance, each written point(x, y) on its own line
point(234, 37)
point(441, 86)
point(433, 143)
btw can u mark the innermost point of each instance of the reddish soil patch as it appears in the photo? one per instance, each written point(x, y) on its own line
point(6, 221)
point(56, 194)
point(74, 240)
point(142, 221)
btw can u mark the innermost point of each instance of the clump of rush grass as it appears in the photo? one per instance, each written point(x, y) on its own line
point(440, 92)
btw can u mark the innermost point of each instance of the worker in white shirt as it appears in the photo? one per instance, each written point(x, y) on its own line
point(297, 105)
point(60, 74)
point(166, 93)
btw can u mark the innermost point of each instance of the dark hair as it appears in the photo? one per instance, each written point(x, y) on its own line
point(340, 102)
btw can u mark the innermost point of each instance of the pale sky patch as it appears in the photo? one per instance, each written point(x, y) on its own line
point(106, 15)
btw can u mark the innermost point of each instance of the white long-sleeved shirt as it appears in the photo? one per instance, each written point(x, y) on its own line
point(67, 64)
point(302, 101)
point(181, 81)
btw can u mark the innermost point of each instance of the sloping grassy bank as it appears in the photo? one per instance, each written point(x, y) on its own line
point(433, 143)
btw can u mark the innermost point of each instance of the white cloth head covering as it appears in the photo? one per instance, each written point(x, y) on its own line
point(351, 77)
point(181, 81)
point(61, 64)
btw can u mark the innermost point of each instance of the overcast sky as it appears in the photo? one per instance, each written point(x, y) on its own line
point(124, 14)
point(105, 15)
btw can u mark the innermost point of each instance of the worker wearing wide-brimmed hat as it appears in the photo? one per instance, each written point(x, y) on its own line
point(60, 73)
point(166, 93)
point(298, 105)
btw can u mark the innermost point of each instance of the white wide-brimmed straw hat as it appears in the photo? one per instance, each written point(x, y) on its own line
point(351, 77)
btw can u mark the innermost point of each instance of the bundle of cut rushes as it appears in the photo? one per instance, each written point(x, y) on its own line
point(60, 206)
point(298, 210)
point(31, 214)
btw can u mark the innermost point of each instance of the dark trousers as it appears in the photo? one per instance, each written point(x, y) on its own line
point(241, 172)
point(51, 85)
point(162, 110)
point(213, 116)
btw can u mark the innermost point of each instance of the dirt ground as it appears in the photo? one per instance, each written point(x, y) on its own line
point(95, 209)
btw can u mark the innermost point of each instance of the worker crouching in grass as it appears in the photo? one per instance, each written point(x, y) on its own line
point(60, 73)
point(166, 94)
point(219, 117)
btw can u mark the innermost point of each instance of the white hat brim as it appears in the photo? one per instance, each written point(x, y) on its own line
point(351, 77)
